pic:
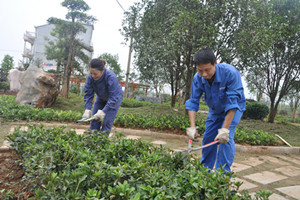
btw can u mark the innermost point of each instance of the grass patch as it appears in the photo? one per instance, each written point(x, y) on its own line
point(74, 102)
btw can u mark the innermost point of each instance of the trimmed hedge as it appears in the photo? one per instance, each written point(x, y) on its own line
point(133, 103)
point(256, 111)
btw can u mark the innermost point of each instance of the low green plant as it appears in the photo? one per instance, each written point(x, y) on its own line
point(162, 122)
point(256, 111)
point(254, 137)
point(61, 164)
point(4, 85)
point(132, 103)
point(10, 110)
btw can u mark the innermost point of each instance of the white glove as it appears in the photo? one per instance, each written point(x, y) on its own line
point(87, 114)
point(191, 132)
point(223, 135)
point(99, 116)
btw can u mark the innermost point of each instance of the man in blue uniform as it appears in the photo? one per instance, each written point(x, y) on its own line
point(224, 95)
point(109, 93)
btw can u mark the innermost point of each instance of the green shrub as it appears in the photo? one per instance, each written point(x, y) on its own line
point(10, 110)
point(4, 85)
point(254, 137)
point(162, 122)
point(256, 111)
point(64, 165)
point(132, 103)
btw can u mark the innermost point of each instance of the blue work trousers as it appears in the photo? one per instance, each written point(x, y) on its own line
point(109, 117)
point(225, 155)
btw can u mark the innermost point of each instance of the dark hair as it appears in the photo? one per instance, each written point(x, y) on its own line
point(204, 56)
point(97, 64)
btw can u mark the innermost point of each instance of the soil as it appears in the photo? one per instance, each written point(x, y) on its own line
point(11, 174)
point(8, 92)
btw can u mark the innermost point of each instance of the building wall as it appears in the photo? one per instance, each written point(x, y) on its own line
point(43, 31)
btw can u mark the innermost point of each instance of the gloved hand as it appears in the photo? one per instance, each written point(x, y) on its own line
point(223, 135)
point(87, 114)
point(191, 132)
point(99, 116)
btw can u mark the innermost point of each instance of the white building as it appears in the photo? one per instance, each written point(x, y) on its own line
point(35, 44)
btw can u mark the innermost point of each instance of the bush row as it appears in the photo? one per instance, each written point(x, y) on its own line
point(64, 165)
point(133, 103)
point(10, 110)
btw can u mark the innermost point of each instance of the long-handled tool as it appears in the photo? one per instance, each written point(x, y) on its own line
point(86, 119)
point(190, 149)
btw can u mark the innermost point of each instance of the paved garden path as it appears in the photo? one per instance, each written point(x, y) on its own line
point(273, 169)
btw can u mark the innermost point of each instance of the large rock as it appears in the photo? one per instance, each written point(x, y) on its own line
point(38, 88)
point(14, 80)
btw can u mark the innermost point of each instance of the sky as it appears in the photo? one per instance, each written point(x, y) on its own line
point(19, 16)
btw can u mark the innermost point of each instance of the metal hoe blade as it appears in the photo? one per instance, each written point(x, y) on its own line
point(189, 150)
point(86, 119)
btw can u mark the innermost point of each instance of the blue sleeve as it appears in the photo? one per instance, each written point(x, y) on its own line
point(115, 93)
point(234, 91)
point(88, 93)
point(196, 93)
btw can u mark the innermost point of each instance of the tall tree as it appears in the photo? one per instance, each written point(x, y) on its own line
point(129, 30)
point(294, 98)
point(112, 63)
point(269, 44)
point(7, 63)
point(68, 50)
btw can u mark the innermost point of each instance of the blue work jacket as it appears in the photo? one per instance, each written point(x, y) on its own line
point(225, 93)
point(107, 88)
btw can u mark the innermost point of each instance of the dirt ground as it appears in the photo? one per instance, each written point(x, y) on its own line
point(11, 174)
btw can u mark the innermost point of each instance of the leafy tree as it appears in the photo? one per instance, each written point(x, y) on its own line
point(129, 30)
point(269, 44)
point(7, 63)
point(294, 98)
point(112, 63)
point(169, 32)
point(67, 50)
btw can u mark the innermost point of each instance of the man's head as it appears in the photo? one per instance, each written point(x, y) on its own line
point(205, 61)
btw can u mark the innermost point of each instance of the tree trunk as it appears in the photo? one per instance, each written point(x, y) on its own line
point(295, 109)
point(272, 114)
point(128, 67)
point(173, 101)
point(65, 86)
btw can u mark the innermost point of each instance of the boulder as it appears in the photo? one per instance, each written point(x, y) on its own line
point(14, 80)
point(38, 88)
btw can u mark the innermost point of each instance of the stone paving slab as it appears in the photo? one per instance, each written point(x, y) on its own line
point(293, 160)
point(80, 131)
point(253, 161)
point(134, 137)
point(23, 128)
point(237, 167)
point(289, 171)
point(293, 191)
point(158, 142)
point(265, 177)
point(246, 185)
point(273, 160)
point(274, 196)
